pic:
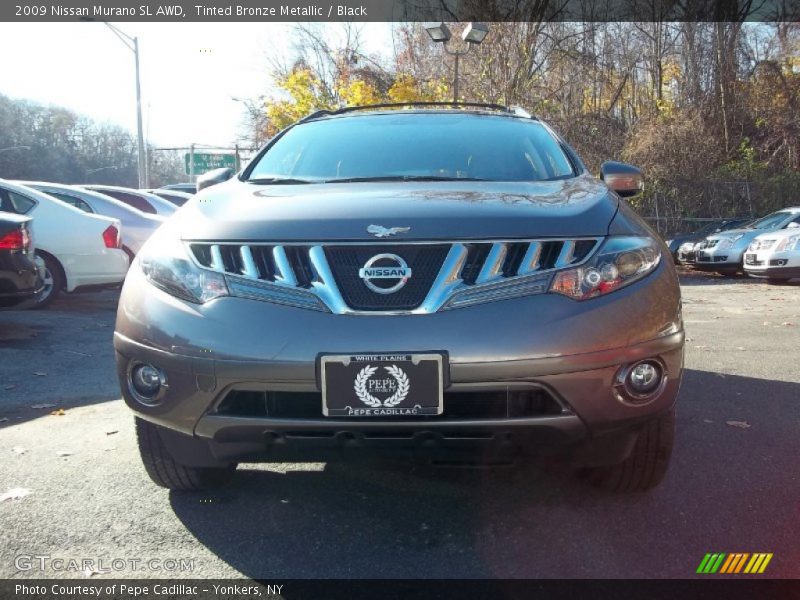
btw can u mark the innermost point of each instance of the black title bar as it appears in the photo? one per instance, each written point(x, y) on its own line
point(400, 10)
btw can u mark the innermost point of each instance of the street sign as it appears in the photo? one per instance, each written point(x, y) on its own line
point(204, 161)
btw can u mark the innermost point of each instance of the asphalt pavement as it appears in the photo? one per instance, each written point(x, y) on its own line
point(733, 485)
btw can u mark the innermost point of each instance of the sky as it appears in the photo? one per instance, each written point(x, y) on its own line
point(190, 72)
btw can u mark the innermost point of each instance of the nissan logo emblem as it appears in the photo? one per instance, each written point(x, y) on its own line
point(385, 273)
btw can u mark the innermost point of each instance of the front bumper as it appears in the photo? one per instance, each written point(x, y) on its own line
point(719, 259)
point(771, 263)
point(573, 351)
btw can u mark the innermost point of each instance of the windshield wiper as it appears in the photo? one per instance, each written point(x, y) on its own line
point(402, 178)
point(279, 180)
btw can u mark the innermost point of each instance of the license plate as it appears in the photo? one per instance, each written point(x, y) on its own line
point(381, 385)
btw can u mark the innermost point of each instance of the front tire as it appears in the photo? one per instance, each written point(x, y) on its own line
point(167, 473)
point(647, 463)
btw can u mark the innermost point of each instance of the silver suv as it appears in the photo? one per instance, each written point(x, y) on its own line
point(445, 283)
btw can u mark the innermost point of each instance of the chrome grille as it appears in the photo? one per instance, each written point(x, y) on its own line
point(445, 274)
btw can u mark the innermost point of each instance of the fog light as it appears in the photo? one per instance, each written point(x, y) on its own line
point(644, 377)
point(147, 382)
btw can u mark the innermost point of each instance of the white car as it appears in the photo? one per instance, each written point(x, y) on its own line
point(775, 255)
point(79, 250)
point(136, 225)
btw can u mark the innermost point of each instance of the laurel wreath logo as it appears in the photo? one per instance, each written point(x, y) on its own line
point(364, 375)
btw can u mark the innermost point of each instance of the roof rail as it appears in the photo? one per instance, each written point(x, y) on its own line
point(514, 110)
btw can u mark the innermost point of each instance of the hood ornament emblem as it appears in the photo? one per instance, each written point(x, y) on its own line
point(380, 231)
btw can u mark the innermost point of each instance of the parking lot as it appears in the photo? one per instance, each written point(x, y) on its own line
point(732, 487)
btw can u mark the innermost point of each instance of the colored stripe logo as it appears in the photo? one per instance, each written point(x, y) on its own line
point(733, 563)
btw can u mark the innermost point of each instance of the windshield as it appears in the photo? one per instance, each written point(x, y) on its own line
point(413, 145)
point(770, 221)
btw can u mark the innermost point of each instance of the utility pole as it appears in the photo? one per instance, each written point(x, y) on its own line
point(132, 44)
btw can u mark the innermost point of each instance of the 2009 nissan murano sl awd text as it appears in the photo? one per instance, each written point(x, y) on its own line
point(442, 282)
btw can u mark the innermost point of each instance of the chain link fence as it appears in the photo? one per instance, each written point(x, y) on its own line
point(683, 206)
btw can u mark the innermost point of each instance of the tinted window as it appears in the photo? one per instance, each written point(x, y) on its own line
point(176, 200)
point(71, 200)
point(15, 203)
point(129, 199)
point(458, 146)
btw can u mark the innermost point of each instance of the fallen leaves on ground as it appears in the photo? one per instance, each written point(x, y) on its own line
point(64, 453)
point(112, 432)
point(15, 494)
point(60, 412)
point(739, 424)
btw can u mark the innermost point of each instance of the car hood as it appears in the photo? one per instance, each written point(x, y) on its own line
point(236, 210)
point(779, 234)
point(730, 233)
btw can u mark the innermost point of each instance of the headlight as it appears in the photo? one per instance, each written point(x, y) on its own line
point(728, 242)
point(166, 265)
point(619, 262)
point(789, 243)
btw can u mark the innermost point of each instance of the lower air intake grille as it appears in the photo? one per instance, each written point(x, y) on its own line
point(424, 260)
point(514, 404)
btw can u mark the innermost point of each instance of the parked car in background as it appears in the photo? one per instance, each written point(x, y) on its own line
point(674, 243)
point(20, 279)
point(686, 251)
point(79, 250)
point(174, 196)
point(775, 255)
point(189, 188)
point(136, 225)
point(144, 201)
point(723, 252)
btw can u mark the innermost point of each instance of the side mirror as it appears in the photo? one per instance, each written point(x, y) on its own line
point(214, 177)
point(623, 178)
point(793, 225)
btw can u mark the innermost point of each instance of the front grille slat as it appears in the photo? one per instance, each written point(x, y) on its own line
point(284, 273)
point(263, 259)
point(249, 268)
point(532, 260)
point(476, 256)
point(493, 265)
point(566, 255)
